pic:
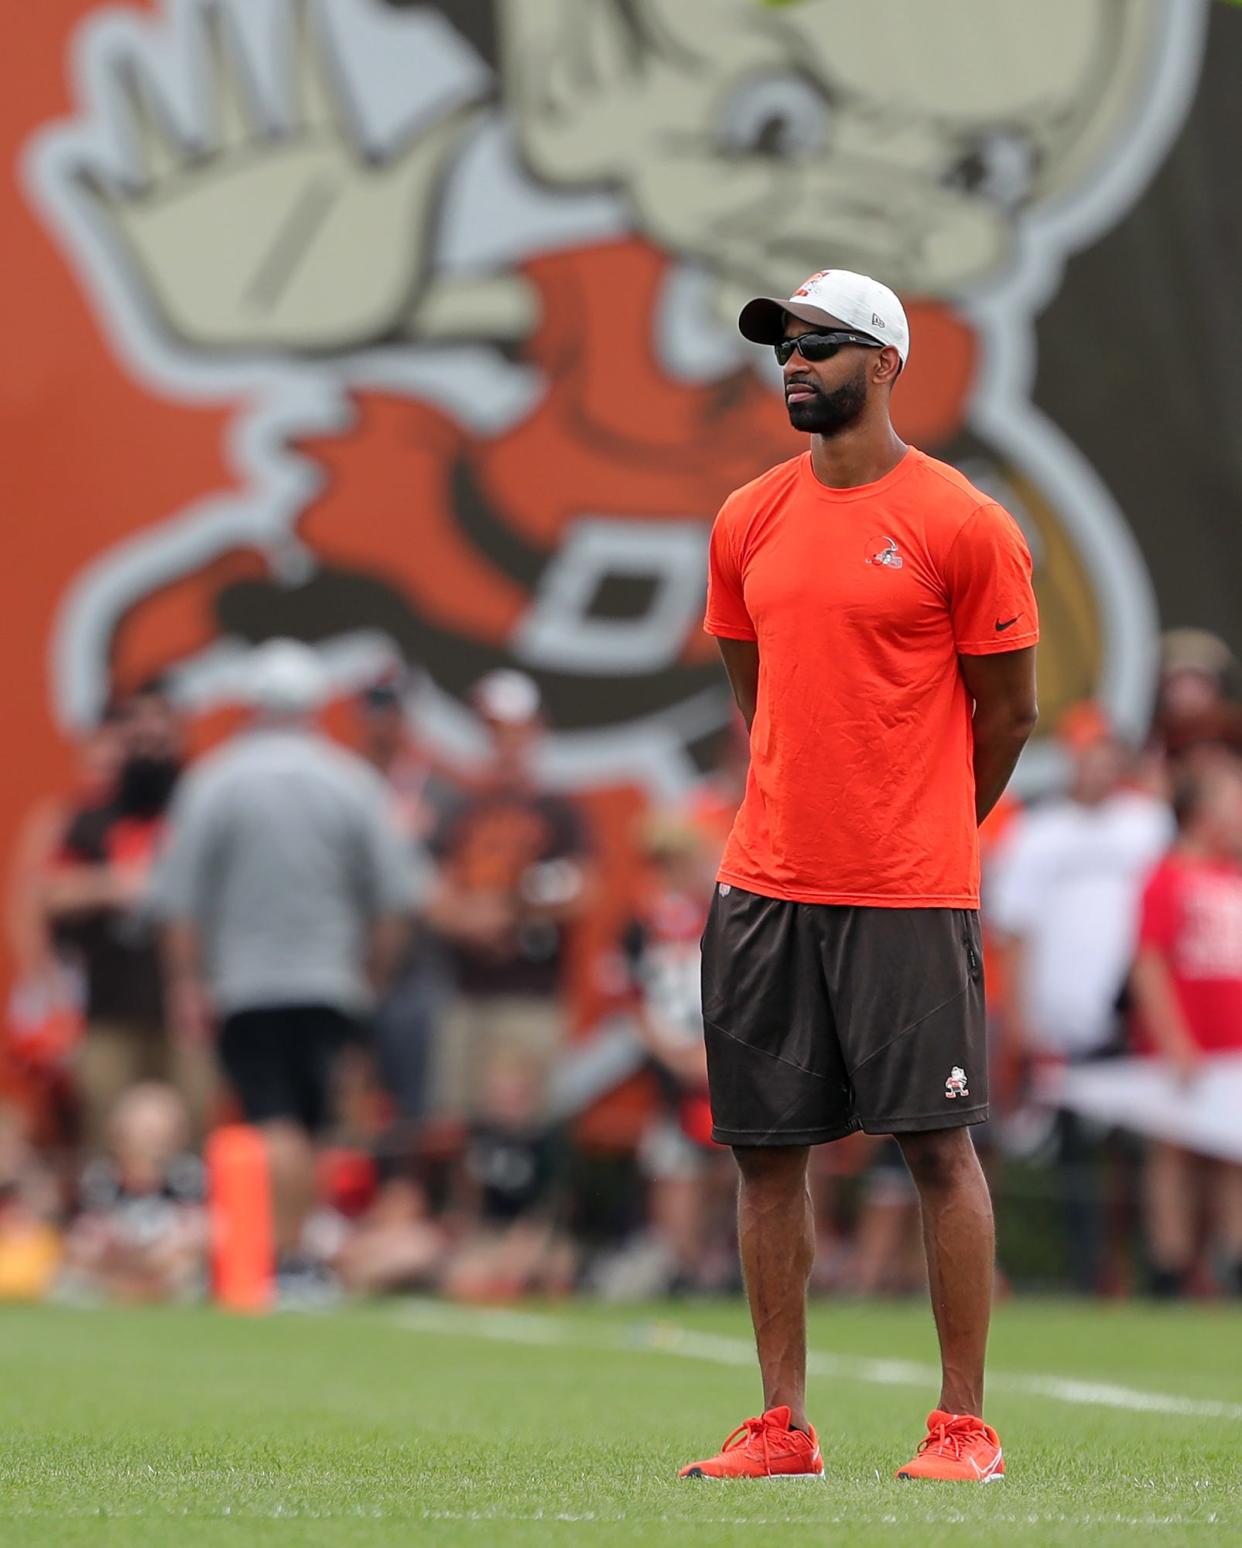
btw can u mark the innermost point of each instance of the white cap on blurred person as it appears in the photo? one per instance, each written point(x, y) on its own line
point(510, 698)
point(285, 678)
point(1195, 650)
point(831, 298)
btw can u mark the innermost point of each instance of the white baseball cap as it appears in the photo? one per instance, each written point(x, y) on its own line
point(508, 697)
point(833, 296)
point(285, 678)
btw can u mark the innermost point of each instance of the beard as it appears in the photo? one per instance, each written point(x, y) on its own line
point(146, 785)
point(828, 413)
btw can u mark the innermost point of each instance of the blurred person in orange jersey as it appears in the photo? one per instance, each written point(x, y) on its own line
point(141, 1234)
point(1187, 987)
point(45, 1010)
point(515, 876)
point(94, 896)
point(30, 1242)
point(511, 1200)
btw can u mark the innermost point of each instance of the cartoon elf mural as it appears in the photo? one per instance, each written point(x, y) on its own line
point(489, 389)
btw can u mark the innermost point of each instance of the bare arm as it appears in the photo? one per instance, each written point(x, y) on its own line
point(741, 661)
point(389, 935)
point(1157, 1002)
point(188, 1008)
point(26, 915)
point(70, 891)
point(1003, 688)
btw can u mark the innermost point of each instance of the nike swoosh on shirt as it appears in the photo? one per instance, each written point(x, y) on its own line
point(1001, 627)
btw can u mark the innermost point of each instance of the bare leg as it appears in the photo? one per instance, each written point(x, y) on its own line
point(1227, 1186)
point(960, 1241)
point(776, 1235)
point(880, 1238)
point(1171, 1208)
point(291, 1157)
point(677, 1210)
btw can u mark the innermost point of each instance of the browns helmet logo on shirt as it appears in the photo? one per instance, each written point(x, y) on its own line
point(884, 552)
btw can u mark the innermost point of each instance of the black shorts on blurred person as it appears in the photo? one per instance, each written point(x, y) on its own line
point(282, 1061)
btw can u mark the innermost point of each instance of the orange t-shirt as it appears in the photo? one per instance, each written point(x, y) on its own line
point(861, 786)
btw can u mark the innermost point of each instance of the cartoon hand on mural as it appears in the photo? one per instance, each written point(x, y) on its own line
point(288, 236)
point(553, 309)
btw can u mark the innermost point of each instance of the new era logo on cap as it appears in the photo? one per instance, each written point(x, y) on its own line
point(831, 297)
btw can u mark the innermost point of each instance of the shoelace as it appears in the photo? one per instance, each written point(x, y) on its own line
point(948, 1438)
point(749, 1431)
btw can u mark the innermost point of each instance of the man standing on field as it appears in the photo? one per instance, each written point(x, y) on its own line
point(876, 619)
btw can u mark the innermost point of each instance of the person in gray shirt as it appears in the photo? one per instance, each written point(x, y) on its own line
point(285, 892)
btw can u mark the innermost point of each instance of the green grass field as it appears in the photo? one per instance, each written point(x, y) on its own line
point(414, 1422)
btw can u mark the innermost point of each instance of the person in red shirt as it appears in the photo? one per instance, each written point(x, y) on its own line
point(1187, 986)
point(877, 622)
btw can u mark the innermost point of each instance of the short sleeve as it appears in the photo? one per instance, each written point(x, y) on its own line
point(180, 882)
point(726, 608)
point(988, 575)
point(1158, 911)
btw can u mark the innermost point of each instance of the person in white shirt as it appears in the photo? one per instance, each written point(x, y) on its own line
point(1062, 900)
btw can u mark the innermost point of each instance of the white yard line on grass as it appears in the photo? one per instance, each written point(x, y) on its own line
point(853, 1518)
point(511, 1327)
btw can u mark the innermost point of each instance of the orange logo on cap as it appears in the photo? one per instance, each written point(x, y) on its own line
point(804, 288)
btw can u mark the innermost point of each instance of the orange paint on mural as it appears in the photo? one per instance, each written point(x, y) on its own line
point(90, 455)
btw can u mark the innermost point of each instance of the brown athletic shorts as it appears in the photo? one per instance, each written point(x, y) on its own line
point(821, 1019)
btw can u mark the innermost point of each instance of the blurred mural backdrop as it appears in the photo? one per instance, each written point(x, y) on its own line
point(409, 329)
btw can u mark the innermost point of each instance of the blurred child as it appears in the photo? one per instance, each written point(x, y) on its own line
point(142, 1232)
point(885, 1256)
point(513, 1242)
point(1188, 993)
point(395, 1244)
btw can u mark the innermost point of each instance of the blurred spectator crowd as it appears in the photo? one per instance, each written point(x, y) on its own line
point(466, 1021)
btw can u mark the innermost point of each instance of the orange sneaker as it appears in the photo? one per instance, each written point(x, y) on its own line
point(763, 1448)
point(958, 1447)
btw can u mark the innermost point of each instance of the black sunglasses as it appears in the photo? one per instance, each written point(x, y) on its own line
point(820, 346)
